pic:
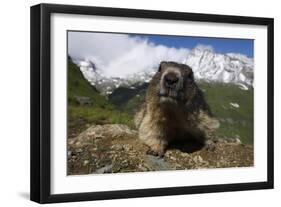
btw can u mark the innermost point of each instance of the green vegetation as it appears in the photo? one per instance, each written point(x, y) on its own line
point(128, 99)
point(77, 85)
point(133, 105)
point(234, 121)
point(101, 111)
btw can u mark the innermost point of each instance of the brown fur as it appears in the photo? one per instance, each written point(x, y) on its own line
point(186, 117)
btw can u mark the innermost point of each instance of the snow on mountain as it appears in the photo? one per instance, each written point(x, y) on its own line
point(107, 84)
point(206, 64)
point(227, 68)
point(235, 105)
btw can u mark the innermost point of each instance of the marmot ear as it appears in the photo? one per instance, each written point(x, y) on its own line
point(191, 75)
point(161, 66)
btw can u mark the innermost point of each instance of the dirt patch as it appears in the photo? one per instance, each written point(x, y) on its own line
point(114, 148)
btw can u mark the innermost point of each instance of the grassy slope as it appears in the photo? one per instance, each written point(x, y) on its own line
point(234, 121)
point(101, 112)
point(128, 100)
point(79, 86)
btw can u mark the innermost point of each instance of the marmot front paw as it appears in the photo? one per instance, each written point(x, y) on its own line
point(157, 153)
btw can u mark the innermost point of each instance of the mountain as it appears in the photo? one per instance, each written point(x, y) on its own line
point(205, 62)
point(227, 68)
point(78, 86)
point(106, 85)
point(87, 106)
point(122, 95)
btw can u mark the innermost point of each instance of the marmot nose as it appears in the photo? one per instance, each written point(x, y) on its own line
point(171, 79)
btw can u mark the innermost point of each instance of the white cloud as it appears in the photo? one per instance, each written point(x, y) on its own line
point(119, 55)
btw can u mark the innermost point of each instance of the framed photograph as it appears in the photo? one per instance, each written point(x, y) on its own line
point(133, 103)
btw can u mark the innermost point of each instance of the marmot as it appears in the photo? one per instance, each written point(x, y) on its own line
point(174, 108)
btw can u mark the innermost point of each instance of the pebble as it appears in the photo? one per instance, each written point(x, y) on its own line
point(173, 158)
point(105, 169)
point(238, 141)
point(127, 147)
point(117, 147)
point(86, 162)
point(79, 150)
point(198, 159)
point(71, 142)
point(186, 155)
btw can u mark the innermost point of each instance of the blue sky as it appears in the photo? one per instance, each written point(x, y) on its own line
point(220, 45)
point(120, 55)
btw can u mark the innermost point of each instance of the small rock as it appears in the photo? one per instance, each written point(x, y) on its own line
point(229, 120)
point(127, 147)
point(69, 153)
point(210, 145)
point(156, 163)
point(71, 142)
point(99, 136)
point(79, 150)
point(198, 159)
point(124, 161)
point(143, 168)
point(222, 120)
point(186, 155)
point(173, 158)
point(105, 169)
point(229, 140)
point(83, 100)
point(168, 153)
point(238, 141)
point(220, 140)
point(117, 147)
point(86, 162)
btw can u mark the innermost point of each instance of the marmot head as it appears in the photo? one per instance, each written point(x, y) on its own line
point(176, 82)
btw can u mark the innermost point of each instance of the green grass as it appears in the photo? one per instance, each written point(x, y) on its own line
point(233, 121)
point(97, 115)
point(133, 105)
point(77, 85)
point(100, 112)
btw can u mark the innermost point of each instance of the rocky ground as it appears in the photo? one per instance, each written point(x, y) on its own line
point(114, 148)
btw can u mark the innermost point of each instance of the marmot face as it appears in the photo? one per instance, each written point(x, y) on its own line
point(175, 109)
point(176, 83)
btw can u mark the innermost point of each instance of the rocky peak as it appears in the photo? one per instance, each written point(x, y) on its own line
point(205, 62)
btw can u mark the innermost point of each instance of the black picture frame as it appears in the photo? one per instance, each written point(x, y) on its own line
point(41, 96)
